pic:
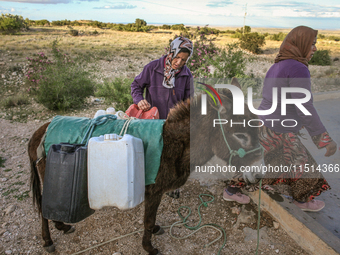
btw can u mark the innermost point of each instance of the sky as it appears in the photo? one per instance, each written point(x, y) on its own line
point(259, 13)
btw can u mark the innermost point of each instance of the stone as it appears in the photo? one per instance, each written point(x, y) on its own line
point(245, 217)
point(277, 251)
point(236, 210)
point(251, 235)
point(8, 252)
point(14, 73)
point(10, 209)
point(140, 222)
point(276, 225)
point(3, 76)
point(4, 179)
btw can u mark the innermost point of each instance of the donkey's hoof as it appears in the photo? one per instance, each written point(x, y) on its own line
point(71, 230)
point(50, 248)
point(174, 194)
point(158, 230)
point(155, 252)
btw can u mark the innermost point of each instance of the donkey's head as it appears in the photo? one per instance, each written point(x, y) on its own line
point(233, 138)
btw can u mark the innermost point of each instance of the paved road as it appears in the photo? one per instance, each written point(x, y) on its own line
point(329, 217)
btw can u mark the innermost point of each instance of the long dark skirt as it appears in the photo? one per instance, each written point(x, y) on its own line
point(302, 182)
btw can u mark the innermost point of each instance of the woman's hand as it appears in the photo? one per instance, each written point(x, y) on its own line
point(144, 105)
point(331, 149)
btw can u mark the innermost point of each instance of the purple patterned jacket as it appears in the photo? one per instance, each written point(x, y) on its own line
point(151, 79)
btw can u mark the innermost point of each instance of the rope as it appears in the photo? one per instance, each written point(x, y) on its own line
point(101, 120)
point(258, 218)
point(178, 223)
point(96, 122)
point(240, 152)
point(198, 227)
point(126, 125)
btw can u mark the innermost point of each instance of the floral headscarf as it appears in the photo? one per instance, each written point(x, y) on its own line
point(297, 44)
point(175, 47)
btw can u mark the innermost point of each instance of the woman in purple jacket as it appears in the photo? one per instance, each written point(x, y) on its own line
point(166, 80)
point(291, 70)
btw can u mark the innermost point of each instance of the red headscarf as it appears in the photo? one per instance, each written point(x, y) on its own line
point(297, 44)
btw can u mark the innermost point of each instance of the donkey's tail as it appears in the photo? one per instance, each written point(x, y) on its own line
point(35, 182)
point(35, 185)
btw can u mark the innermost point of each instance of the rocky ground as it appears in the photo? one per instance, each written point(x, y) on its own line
point(20, 225)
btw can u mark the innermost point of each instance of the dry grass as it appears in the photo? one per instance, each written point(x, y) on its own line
point(122, 43)
point(40, 38)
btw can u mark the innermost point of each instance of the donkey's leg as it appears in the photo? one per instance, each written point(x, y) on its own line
point(174, 194)
point(68, 229)
point(48, 245)
point(151, 202)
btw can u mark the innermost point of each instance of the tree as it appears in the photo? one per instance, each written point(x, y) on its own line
point(247, 29)
point(252, 42)
point(11, 23)
point(140, 23)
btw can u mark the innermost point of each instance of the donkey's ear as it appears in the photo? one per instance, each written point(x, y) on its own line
point(212, 104)
point(235, 82)
point(225, 109)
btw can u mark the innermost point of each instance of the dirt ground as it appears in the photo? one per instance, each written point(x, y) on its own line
point(20, 230)
point(20, 225)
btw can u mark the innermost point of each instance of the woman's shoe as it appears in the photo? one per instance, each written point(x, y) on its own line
point(311, 206)
point(238, 197)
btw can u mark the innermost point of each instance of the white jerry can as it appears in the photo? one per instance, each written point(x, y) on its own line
point(116, 175)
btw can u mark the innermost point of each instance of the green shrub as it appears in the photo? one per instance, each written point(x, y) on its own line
point(35, 68)
point(73, 32)
point(247, 29)
point(117, 91)
point(41, 22)
point(278, 37)
point(65, 84)
point(237, 35)
point(179, 27)
point(228, 32)
point(206, 31)
point(321, 58)
point(247, 81)
point(321, 36)
point(140, 25)
point(61, 22)
point(15, 101)
point(97, 24)
point(252, 42)
point(229, 62)
point(334, 38)
point(11, 23)
point(165, 27)
point(2, 162)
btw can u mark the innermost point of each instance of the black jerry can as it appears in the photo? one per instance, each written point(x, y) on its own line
point(65, 190)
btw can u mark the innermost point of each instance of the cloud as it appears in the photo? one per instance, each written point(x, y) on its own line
point(4, 10)
point(117, 6)
point(217, 4)
point(47, 1)
point(299, 9)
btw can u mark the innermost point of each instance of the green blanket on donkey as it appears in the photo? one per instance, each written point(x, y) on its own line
point(64, 129)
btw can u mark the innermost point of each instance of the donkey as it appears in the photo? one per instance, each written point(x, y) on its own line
point(176, 160)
